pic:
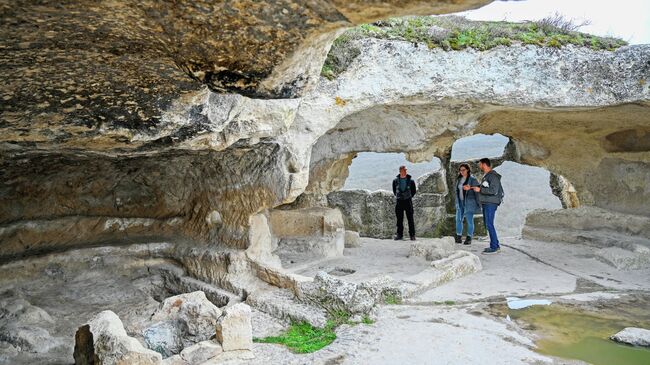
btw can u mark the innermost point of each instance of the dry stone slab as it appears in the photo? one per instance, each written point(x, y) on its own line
point(234, 329)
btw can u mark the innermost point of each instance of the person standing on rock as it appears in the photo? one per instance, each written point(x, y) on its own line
point(466, 203)
point(404, 191)
point(490, 195)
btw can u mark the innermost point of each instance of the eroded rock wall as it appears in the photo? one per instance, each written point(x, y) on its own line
point(576, 111)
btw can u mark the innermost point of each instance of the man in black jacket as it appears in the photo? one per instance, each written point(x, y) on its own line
point(404, 190)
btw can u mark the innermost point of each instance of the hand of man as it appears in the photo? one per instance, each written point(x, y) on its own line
point(477, 189)
point(466, 187)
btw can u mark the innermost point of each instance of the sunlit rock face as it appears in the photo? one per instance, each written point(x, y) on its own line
point(562, 109)
point(206, 162)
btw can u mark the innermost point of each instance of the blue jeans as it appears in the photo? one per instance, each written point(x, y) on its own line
point(469, 217)
point(489, 211)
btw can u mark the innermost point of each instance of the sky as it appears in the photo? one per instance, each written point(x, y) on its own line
point(625, 19)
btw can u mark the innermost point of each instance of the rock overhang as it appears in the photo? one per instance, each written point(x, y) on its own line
point(240, 155)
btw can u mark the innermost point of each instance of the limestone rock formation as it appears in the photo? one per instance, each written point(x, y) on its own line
point(25, 327)
point(106, 140)
point(351, 239)
point(103, 340)
point(146, 50)
point(234, 330)
point(633, 336)
point(433, 250)
point(191, 313)
point(307, 234)
point(622, 240)
point(164, 338)
point(338, 295)
point(399, 97)
point(201, 352)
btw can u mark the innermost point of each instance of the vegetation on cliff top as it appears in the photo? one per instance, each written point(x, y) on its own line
point(456, 33)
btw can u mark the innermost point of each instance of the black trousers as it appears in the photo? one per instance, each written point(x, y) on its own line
point(400, 207)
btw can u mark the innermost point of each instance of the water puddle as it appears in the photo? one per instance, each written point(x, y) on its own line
point(577, 333)
point(516, 303)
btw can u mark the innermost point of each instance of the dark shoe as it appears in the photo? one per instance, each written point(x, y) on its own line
point(459, 239)
point(398, 238)
point(489, 251)
point(468, 241)
point(412, 238)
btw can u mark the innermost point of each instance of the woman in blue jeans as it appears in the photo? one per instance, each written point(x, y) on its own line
point(466, 203)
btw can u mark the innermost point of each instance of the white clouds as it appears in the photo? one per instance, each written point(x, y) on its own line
point(626, 19)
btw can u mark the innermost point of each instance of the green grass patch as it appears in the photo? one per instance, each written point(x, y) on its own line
point(392, 299)
point(366, 320)
point(303, 337)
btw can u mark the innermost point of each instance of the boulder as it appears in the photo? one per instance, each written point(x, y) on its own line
point(633, 336)
point(164, 337)
point(103, 340)
point(192, 313)
point(234, 329)
point(336, 295)
point(201, 352)
point(352, 239)
point(433, 249)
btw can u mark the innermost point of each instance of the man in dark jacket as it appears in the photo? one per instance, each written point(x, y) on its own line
point(404, 190)
point(491, 195)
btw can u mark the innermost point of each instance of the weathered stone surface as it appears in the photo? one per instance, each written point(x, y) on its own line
point(456, 265)
point(352, 239)
point(174, 360)
point(372, 214)
point(636, 257)
point(335, 294)
point(164, 338)
point(191, 314)
point(433, 250)
point(201, 352)
point(284, 304)
point(103, 340)
point(398, 96)
point(633, 336)
point(25, 327)
point(234, 330)
point(306, 234)
point(120, 63)
point(589, 225)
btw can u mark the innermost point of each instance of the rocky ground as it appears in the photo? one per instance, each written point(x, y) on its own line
point(451, 324)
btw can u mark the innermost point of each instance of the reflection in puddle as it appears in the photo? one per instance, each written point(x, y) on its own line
point(516, 303)
point(570, 332)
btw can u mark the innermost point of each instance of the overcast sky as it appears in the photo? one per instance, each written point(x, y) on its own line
point(626, 19)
